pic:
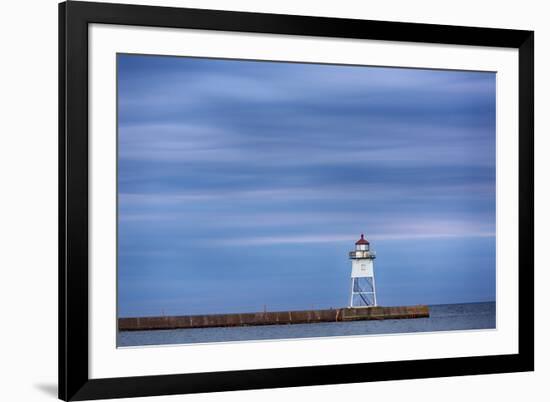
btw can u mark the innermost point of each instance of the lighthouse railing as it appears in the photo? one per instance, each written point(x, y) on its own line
point(362, 254)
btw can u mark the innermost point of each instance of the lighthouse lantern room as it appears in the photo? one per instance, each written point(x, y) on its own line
point(363, 289)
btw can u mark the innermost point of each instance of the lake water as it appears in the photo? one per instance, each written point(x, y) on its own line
point(443, 317)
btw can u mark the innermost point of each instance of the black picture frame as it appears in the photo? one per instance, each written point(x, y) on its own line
point(74, 18)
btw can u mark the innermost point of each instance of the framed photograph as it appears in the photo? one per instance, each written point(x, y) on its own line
point(258, 200)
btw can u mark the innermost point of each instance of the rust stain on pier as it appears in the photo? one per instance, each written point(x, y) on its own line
point(273, 318)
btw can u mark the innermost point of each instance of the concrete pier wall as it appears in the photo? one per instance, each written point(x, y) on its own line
point(272, 318)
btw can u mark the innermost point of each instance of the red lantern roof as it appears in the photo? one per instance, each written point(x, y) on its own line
point(362, 240)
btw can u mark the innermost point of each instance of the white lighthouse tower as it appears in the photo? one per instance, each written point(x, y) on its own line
point(363, 289)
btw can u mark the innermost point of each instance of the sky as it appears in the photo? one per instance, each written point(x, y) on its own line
point(242, 185)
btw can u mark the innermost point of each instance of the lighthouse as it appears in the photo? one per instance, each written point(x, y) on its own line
point(363, 289)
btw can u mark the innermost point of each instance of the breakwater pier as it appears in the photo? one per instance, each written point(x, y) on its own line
point(272, 318)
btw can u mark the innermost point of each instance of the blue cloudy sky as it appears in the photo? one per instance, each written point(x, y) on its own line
point(244, 184)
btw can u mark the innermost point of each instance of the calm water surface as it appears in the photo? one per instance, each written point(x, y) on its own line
point(443, 317)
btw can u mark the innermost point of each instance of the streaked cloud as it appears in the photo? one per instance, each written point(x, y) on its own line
point(345, 238)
